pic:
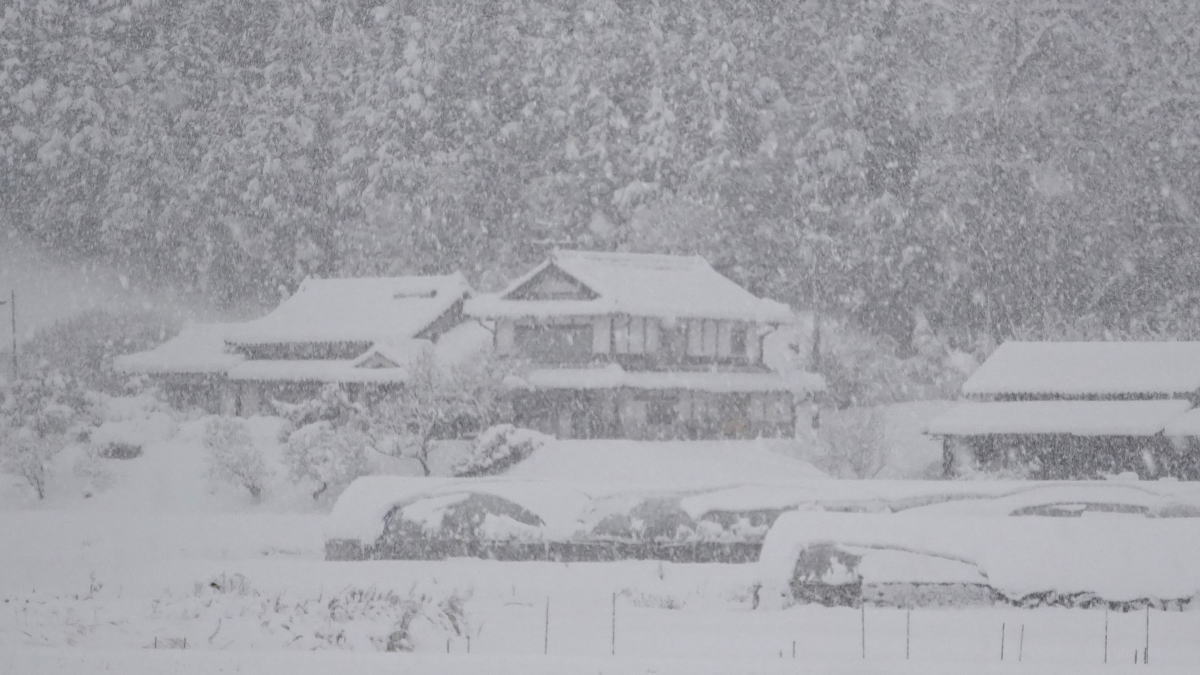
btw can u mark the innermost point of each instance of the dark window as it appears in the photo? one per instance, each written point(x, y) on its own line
point(661, 411)
point(555, 343)
point(737, 342)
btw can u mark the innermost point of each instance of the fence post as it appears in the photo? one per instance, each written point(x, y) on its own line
point(1106, 634)
point(863, 628)
point(907, 634)
point(613, 644)
point(546, 629)
point(1021, 645)
point(1146, 654)
point(1003, 627)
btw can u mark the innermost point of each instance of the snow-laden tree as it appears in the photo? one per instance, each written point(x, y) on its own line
point(233, 457)
point(436, 402)
point(40, 413)
point(329, 457)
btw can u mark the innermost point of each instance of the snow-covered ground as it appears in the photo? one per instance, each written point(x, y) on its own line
point(91, 584)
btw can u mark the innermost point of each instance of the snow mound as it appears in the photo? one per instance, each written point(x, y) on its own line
point(668, 464)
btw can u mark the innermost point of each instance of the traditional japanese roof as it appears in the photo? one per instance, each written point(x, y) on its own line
point(199, 348)
point(272, 370)
point(637, 284)
point(615, 377)
point(355, 310)
point(1077, 418)
point(386, 362)
point(1088, 368)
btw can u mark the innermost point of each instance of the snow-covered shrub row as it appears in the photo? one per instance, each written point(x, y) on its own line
point(848, 558)
point(498, 448)
point(507, 517)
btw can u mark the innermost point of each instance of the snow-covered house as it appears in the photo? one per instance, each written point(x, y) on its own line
point(1076, 409)
point(356, 332)
point(642, 346)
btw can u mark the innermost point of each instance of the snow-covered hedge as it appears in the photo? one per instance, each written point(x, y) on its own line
point(845, 557)
point(499, 448)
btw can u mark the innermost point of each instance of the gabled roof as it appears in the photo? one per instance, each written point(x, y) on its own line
point(199, 348)
point(637, 284)
point(1088, 369)
point(355, 310)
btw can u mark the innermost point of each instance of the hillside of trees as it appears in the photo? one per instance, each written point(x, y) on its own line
point(985, 168)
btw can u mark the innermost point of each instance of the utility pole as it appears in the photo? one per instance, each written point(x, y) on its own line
point(12, 313)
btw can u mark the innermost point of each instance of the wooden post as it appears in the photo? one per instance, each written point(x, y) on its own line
point(613, 644)
point(546, 629)
point(863, 627)
point(907, 634)
point(1106, 634)
point(1146, 654)
point(1003, 627)
point(1021, 644)
point(793, 650)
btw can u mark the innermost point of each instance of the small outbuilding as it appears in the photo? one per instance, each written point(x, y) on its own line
point(1076, 410)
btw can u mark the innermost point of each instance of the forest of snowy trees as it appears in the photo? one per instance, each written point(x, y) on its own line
point(997, 167)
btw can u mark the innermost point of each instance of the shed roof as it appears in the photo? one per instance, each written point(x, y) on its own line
point(367, 309)
point(1077, 418)
point(1088, 368)
point(639, 284)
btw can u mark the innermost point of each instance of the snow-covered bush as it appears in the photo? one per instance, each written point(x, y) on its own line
point(660, 520)
point(354, 618)
point(233, 456)
point(29, 457)
point(124, 439)
point(498, 449)
point(331, 404)
point(854, 445)
point(328, 457)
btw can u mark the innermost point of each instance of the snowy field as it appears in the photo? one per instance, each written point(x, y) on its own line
point(218, 584)
point(242, 590)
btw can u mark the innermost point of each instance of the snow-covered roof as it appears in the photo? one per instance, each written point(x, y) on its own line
point(1088, 368)
point(398, 352)
point(1080, 418)
point(355, 310)
point(455, 347)
point(638, 284)
point(198, 348)
point(614, 376)
point(269, 370)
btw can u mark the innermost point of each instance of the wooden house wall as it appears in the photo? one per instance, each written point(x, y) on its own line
point(644, 340)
